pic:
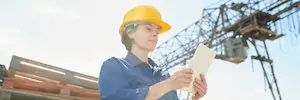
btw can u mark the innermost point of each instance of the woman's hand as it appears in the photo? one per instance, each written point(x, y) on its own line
point(180, 79)
point(200, 87)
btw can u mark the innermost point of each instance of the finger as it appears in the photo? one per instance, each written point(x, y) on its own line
point(186, 80)
point(198, 80)
point(203, 90)
point(186, 76)
point(201, 82)
point(203, 79)
point(186, 84)
point(204, 83)
point(188, 70)
point(183, 71)
point(200, 88)
point(197, 85)
point(201, 94)
point(196, 88)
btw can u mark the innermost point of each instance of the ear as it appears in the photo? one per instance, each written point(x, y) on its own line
point(131, 35)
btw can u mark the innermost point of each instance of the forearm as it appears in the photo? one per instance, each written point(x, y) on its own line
point(158, 90)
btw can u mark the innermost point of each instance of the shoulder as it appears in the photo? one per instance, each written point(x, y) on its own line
point(111, 64)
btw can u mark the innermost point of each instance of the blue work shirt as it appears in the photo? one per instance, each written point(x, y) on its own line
point(130, 79)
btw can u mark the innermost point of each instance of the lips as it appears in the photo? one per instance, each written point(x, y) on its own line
point(152, 40)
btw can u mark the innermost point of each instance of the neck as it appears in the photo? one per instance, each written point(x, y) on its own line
point(141, 54)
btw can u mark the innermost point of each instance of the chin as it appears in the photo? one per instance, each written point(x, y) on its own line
point(151, 49)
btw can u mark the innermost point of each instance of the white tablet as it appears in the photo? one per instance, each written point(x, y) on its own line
point(200, 63)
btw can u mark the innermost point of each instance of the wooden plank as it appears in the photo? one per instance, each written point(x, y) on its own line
point(5, 96)
point(11, 73)
point(44, 85)
point(81, 89)
point(55, 88)
point(8, 84)
point(36, 77)
point(86, 94)
point(20, 83)
point(65, 91)
point(83, 92)
point(69, 78)
point(25, 94)
point(44, 95)
point(37, 71)
point(50, 79)
point(57, 76)
point(14, 63)
point(16, 58)
point(30, 86)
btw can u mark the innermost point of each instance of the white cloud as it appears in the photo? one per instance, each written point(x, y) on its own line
point(68, 14)
point(50, 11)
point(8, 37)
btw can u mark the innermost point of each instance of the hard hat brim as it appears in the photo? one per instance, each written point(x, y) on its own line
point(164, 26)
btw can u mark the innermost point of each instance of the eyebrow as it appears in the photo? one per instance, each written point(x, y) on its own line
point(151, 25)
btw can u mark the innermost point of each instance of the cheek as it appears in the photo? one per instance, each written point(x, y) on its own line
point(142, 40)
point(139, 41)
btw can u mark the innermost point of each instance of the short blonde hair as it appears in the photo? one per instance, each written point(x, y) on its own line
point(126, 41)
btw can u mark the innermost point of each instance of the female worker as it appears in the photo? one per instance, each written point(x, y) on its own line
point(134, 77)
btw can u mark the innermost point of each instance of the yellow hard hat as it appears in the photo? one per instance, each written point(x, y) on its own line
point(145, 13)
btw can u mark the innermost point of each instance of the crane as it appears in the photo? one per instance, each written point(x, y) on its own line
point(230, 29)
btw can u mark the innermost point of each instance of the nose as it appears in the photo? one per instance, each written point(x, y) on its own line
point(154, 33)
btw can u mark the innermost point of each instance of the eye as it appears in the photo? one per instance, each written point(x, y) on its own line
point(148, 29)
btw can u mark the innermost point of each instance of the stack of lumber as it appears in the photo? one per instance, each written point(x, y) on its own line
point(28, 76)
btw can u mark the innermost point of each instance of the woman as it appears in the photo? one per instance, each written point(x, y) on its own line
point(134, 77)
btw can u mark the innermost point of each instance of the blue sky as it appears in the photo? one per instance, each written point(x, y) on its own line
point(80, 35)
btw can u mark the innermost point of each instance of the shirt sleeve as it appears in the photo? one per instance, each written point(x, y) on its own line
point(113, 83)
point(174, 92)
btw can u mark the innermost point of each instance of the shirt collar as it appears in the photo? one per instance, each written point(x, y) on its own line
point(135, 61)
